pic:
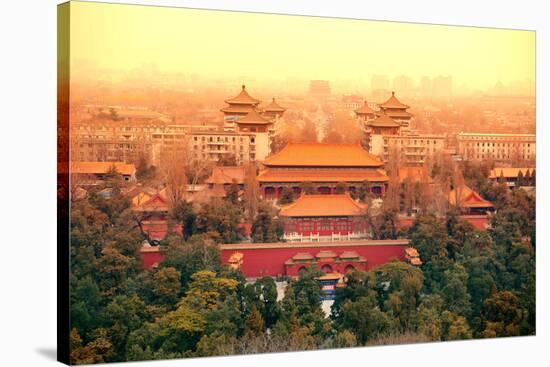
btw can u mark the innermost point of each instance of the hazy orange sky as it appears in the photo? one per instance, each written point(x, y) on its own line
point(225, 44)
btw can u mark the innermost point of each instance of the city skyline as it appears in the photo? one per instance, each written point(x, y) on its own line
point(290, 47)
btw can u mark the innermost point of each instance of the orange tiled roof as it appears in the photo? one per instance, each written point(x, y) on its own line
point(511, 172)
point(244, 109)
point(322, 175)
point(253, 118)
point(365, 110)
point(415, 174)
point(396, 113)
point(383, 121)
point(157, 203)
point(411, 251)
point(393, 102)
point(102, 167)
point(274, 107)
point(465, 197)
point(323, 155)
point(243, 98)
point(330, 276)
point(227, 175)
point(323, 206)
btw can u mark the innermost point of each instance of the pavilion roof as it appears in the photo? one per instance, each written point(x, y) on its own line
point(395, 113)
point(157, 203)
point(383, 121)
point(364, 110)
point(330, 276)
point(102, 167)
point(393, 102)
point(323, 155)
point(323, 206)
point(510, 172)
point(227, 175)
point(244, 109)
point(243, 98)
point(411, 251)
point(254, 118)
point(323, 175)
point(465, 197)
point(274, 107)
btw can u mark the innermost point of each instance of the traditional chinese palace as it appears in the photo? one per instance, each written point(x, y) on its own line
point(324, 166)
point(324, 218)
point(469, 201)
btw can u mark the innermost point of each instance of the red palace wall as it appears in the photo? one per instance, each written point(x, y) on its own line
point(151, 256)
point(269, 259)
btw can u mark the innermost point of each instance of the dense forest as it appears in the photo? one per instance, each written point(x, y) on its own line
point(472, 284)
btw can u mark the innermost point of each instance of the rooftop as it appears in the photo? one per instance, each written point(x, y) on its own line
point(364, 110)
point(312, 245)
point(274, 107)
point(383, 121)
point(323, 206)
point(253, 118)
point(102, 167)
point(393, 102)
point(323, 155)
point(243, 98)
point(227, 175)
point(322, 175)
point(465, 197)
point(511, 172)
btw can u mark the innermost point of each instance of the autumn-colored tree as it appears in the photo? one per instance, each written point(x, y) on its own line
point(254, 324)
point(166, 285)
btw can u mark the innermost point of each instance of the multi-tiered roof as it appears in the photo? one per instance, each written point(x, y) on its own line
point(241, 104)
point(394, 108)
point(319, 162)
point(323, 206)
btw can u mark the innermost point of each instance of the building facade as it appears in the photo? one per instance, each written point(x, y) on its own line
point(322, 166)
point(388, 135)
point(324, 218)
point(502, 148)
point(110, 134)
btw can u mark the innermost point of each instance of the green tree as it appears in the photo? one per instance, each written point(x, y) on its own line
point(265, 228)
point(254, 324)
point(364, 319)
point(220, 219)
point(166, 285)
point(455, 291)
point(287, 196)
point(182, 213)
point(502, 315)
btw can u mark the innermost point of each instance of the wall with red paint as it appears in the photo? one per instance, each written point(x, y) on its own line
point(150, 258)
point(259, 261)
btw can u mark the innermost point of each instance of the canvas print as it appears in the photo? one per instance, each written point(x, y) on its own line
point(233, 183)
